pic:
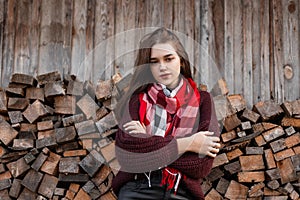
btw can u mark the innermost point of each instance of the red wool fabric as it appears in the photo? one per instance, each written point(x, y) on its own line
point(134, 151)
point(182, 109)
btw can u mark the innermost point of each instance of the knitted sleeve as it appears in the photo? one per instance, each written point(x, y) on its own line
point(139, 152)
point(192, 164)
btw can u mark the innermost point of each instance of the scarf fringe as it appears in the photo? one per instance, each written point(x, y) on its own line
point(171, 178)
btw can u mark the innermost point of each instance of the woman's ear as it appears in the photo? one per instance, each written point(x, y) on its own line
point(181, 62)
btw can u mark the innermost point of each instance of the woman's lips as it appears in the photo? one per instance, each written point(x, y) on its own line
point(164, 75)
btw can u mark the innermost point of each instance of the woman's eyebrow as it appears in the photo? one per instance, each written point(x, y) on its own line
point(168, 55)
point(165, 56)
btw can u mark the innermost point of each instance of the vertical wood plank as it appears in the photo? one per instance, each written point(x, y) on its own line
point(265, 51)
point(140, 20)
point(22, 37)
point(178, 20)
point(277, 76)
point(2, 14)
point(90, 41)
point(204, 43)
point(119, 41)
point(35, 30)
point(141, 14)
point(154, 13)
point(67, 35)
point(27, 37)
point(168, 14)
point(228, 46)
point(209, 72)
point(110, 31)
point(22, 57)
point(197, 37)
point(8, 42)
point(238, 46)
point(79, 40)
point(214, 70)
point(104, 40)
point(256, 52)
point(100, 35)
point(290, 49)
point(125, 38)
point(189, 30)
point(247, 67)
point(218, 19)
point(51, 36)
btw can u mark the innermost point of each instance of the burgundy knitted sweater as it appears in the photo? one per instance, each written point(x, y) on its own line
point(135, 151)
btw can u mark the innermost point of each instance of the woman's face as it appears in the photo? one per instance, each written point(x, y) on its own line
point(165, 65)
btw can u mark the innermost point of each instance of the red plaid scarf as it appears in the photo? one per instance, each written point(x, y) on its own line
point(181, 118)
point(182, 110)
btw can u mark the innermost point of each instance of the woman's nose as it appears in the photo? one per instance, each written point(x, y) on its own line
point(162, 66)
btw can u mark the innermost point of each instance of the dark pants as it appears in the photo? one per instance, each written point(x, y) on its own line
point(140, 190)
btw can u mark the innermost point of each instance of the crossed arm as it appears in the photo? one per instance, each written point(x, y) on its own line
point(139, 152)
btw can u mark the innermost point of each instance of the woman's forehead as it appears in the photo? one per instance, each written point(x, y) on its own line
point(162, 48)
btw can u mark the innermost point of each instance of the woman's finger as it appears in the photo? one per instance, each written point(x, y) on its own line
point(208, 133)
point(132, 123)
point(215, 139)
point(217, 145)
point(134, 127)
point(212, 154)
point(214, 150)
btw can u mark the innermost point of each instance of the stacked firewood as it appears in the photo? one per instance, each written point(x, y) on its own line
point(260, 154)
point(57, 138)
point(57, 142)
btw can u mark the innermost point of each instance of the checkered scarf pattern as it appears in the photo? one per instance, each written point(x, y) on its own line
point(178, 115)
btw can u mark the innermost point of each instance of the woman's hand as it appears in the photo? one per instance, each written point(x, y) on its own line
point(134, 127)
point(205, 143)
point(202, 142)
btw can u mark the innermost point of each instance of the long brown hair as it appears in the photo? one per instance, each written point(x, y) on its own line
point(142, 75)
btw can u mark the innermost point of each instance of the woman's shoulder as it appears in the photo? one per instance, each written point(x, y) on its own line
point(134, 99)
point(204, 94)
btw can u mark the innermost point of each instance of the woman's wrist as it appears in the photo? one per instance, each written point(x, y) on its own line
point(184, 144)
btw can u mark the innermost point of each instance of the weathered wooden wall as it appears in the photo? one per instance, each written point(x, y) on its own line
point(253, 44)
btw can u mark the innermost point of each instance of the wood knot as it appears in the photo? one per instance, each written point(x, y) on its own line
point(288, 72)
point(292, 7)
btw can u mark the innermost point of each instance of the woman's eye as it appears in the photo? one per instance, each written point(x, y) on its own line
point(169, 59)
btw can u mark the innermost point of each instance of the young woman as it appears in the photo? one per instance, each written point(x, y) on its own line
point(168, 132)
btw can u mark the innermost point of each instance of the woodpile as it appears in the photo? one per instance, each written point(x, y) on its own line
point(57, 142)
point(57, 138)
point(260, 154)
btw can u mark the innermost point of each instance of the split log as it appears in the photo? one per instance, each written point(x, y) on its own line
point(15, 92)
point(236, 191)
point(35, 93)
point(92, 162)
point(237, 102)
point(23, 79)
point(268, 110)
point(8, 134)
point(75, 88)
point(104, 90)
point(17, 103)
point(65, 104)
point(34, 111)
point(3, 102)
point(88, 106)
point(48, 77)
point(32, 180)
